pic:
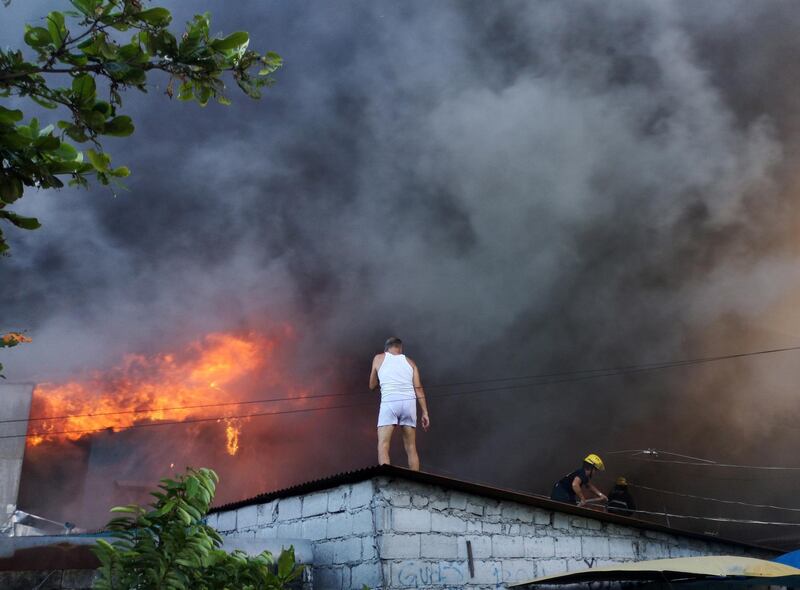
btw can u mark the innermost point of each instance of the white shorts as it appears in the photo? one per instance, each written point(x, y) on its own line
point(403, 412)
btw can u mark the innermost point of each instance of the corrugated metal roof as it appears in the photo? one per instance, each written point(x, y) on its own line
point(477, 489)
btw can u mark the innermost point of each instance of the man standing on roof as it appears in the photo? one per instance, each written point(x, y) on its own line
point(401, 389)
point(572, 487)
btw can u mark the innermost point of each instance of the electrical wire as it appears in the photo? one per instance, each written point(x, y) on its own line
point(717, 518)
point(706, 498)
point(578, 375)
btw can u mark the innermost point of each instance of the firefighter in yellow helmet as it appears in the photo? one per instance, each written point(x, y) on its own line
point(573, 487)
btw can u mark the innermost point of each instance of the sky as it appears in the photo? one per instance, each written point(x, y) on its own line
point(513, 188)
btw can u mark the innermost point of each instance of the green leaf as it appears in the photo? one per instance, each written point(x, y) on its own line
point(158, 17)
point(9, 116)
point(84, 88)
point(36, 37)
point(286, 563)
point(100, 161)
point(56, 28)
point(232, 41)
point(11, 189)
point(19, 220)
point(121, 126)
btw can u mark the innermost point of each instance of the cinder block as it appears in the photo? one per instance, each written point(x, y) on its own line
point(361, 494)
point(621, 548)
point(492, 527)
point(365, 574)
point(314, 529)
point(579, 522)
point(413, 574)
point(369, 550)
point(474, 526)
point(560, 521)
point(511, 529)
point(337, 499)
point(458, 501)
point(594, 547)
point(653, 550)
point(493, 508)
point(211, 520)
point(362, 522)
point(594, 525)
point(445, 523)
point(226, 521)
point(328, 577)
point(441, 546)
point(411, 520)
point(290, 530)
point(529, 530)
point(577, 565)
point(267, 513)
point(398, 546)
point(77, 579)
point(568, 547)
point(383, 518)
point(488, 573)
point(315, 504)
point(481, 546)
point(323, 552)
point(267, 532)
point(439, 504)
point(540, 547)
point(340, 525)
point(505, 546)
point(518, 570)
point(453, 573)
point(542, 517)
point(419, 501)
point(246, 517)
point(512, 511)
point(551, 567)
point(347, 550)
point(289, 508)
point(400, 499)
point(473, 508)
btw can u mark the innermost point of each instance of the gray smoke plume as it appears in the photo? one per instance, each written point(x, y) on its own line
point(512, 187)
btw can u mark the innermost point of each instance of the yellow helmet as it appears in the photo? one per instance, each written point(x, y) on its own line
point(595, 461)
point(621, 481)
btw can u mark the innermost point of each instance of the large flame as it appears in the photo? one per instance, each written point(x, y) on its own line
point(144, 388)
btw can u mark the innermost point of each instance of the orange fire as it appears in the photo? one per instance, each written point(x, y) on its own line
point(147, 388)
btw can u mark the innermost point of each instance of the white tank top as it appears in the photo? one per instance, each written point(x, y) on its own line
point(397, 378)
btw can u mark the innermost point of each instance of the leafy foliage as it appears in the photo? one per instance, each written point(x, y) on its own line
point(170, 547)
point(105, 47)
point(11, 339)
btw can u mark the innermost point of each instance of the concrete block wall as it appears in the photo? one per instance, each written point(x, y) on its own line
point(339, 523)
point(394, 533)
point(422, 533)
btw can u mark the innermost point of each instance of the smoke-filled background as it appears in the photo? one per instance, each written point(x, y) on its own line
point(514, 188)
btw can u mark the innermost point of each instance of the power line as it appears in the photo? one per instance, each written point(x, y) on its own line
point(578, 375)
point(718, 518)
point(705, 498)
point(700, 462)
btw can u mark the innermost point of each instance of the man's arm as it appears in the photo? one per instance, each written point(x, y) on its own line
point(420, 393)
point(373, 374)
point(597, 492)
point(576, 487)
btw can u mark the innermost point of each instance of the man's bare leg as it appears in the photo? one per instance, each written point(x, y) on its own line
point(384, 442)
point(410, 443)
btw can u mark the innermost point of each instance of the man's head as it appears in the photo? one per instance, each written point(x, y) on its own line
point(393, 344)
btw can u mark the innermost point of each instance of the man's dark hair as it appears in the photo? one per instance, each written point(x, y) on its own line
point(390, 342)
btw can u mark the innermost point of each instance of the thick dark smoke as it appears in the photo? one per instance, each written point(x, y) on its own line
point(512, 187)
